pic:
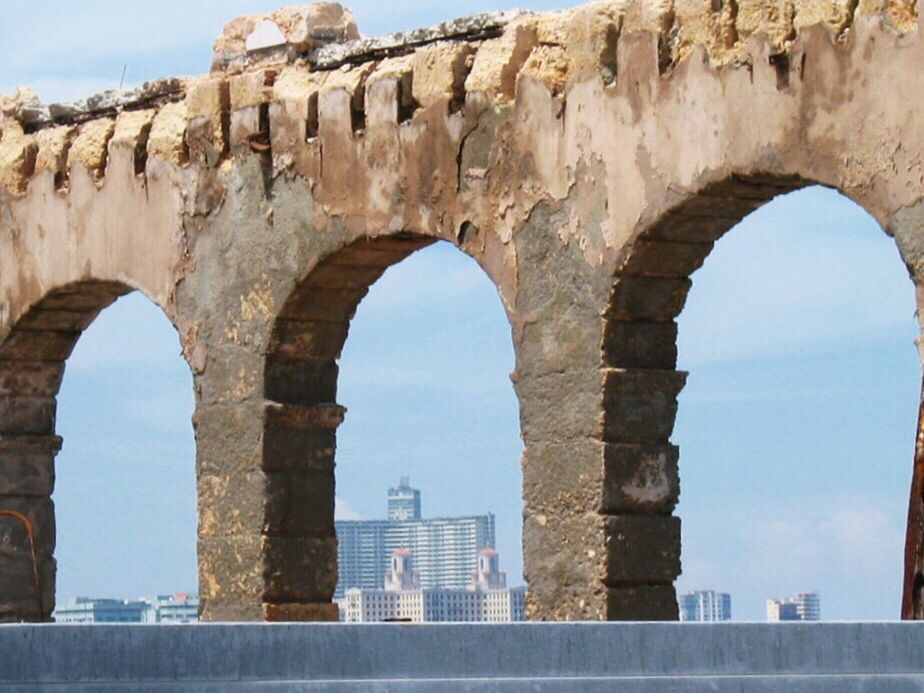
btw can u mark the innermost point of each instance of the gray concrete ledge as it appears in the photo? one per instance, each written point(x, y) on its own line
point(461, 657)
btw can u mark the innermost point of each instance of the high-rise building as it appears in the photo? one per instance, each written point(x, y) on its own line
point(705, 606)
point(403, 501)
point(804, 607)
point(445, 548)
point(486, 598)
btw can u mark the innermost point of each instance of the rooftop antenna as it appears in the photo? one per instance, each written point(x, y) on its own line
point(122, 80)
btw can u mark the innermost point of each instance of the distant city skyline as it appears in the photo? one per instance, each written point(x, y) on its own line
point(446, 546)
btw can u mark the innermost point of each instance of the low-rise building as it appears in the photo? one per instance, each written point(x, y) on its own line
point(804, 607)
point(86, 610)
point(172, 608)
point(486, 599)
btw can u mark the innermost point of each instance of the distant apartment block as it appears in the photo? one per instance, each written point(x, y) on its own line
point(86, 610)
point(175, 608)
point(804, 607)
point(445, 549)
point(486, 598)
point(705, 606)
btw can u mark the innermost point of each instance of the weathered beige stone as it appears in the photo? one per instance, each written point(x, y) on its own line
point(167, 140)
point(498, 61)
point(17, 156)
point(295, 84)
point(837, 14)
point(550, 65)
point(53, 146)
point(91, 145)
point(350, 79)
point(250, 89)
point(440, 71)
point(132, 128)
point(207, 98)
point(774, 18)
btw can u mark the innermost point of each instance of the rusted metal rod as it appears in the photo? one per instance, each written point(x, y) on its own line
point(36, 575)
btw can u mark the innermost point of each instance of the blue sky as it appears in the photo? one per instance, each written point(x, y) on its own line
point(796, 427)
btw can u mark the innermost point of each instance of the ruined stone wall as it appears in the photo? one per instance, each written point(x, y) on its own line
point(587, 160)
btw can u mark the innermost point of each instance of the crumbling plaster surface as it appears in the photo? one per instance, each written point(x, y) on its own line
point(548, 147)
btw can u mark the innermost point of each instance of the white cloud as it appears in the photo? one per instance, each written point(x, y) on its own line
point(848, 548)
point(344, 511)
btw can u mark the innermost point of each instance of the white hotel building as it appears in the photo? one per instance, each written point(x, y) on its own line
point(486, 599)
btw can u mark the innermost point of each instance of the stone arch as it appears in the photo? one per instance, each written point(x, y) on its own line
point(301, 415)
point(32, 363)
point(642, 383)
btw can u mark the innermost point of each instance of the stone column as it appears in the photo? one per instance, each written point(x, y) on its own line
point(599, 540)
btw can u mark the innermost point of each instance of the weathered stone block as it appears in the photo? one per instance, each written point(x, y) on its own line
point(319, 303)
point(299, 569)
point(666, 258)
point(649, 298)
point(229, 438)
point(53, 146)
point(25, 472)
point(641, 549)
point(207, 104)
point(301, 380)
point(440, 71)
point(251, 89)
point(38, 345)
point(21, 599)
point(646, 345)
point(132, 129)
point(561, 406)
point(300, 503)
point(231, 577)
point(642, 603)
point(640, 405)
point(91, 146)
point(232, 503)
point(167, 140)
point(27, 415)
point(498, 62)
point(30, 378)
point(67, 321)
point(563, 557)
point(560, 475)
point(40, 512)
point(308, 339)
point(295, 450)
point(303, 417)
point(17, 157)
point(640, 478)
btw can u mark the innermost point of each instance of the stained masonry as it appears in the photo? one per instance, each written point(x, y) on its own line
point(586, 159)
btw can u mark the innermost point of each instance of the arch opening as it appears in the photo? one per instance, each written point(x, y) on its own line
point(643, 382)
point(388, 436)
point(35, 474)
